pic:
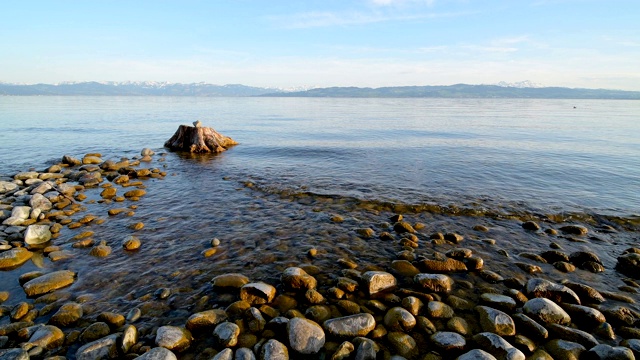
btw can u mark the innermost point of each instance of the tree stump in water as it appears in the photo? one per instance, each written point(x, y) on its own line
point(197, 139)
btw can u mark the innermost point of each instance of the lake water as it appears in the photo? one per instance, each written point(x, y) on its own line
point(313, 174)
point(543, 156)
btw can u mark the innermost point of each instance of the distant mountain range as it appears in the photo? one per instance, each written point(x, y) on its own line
point(525, 89)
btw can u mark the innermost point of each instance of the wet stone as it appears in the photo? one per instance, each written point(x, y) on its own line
point(629, 264)
point(496, 321)
point(14, 258)
point(399, 319)
point(530, 225)
point(104, 348)
point(403, 344)
point(47, 337)
point(378, 281)
point(584, 315)
point(114, 320)
point(501, 302)
point(205, 320)
point(561, 349)
point(226, 333)
point(49, 282)
point(574, 230)
point(235, 281)
point(476, 354)
point(448, 341)
point(497, 346)
point(570, 334)
point(305, 336)
point(274, 350)
point(434, 282)
point(257, 293)
point(173, 338)
point(546, 311)
point(553, 256)
point(586, 293)
point(95, 331)
point(439, 310)
point(294, 278)
point(68, 314)
point(538, 287)
point(350, 326)
point(608, 352)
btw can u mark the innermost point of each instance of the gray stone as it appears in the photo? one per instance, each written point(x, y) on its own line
point(26, 175)
point(570, 334)
point(157, 353)
point(378, 281)
point(274, 350)
point(37, 234)
point(608, 352)
point(14, 354)
point(305, 336)
point(538, 287)
point(501, 302)
point(343, 352)
point(546, 311)
point(633, 344)
point(530, 326)
point(367, 349)
point(173, 338)
point(226, 333)
point(350, 326)
point(447, 341)
point(497, 346)
point(476, 354)
point(225, 354)
point(105, 348)
point(245, 354)
point(6, 186)
point(496, 321)
point(403, 344)
point(38, 201)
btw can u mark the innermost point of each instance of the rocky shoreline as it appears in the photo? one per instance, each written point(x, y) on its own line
point(440, 297)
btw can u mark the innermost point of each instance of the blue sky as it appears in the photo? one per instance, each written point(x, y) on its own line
point(277, 43)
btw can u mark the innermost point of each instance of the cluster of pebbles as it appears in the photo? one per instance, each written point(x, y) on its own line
point(417, 306)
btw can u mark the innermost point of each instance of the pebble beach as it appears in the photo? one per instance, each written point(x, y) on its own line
point(92, 269)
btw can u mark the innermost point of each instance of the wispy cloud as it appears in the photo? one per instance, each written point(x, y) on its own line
point(401, 2)
point(318, 19)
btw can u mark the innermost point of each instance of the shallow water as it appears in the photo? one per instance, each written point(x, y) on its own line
point(448, 164)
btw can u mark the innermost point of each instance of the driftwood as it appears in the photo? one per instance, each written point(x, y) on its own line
point(197, 139)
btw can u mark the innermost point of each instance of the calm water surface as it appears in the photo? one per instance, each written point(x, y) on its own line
point(540, 155)
point(301, 162)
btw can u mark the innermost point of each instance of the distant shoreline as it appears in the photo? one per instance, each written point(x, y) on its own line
point(458, 91)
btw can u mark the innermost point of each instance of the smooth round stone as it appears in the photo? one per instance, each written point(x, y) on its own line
point(49, 282)
point(403, 344)
point(133, 315)
point(439, 310)
point(14, 354)
point(225, 354)
point(158, 353)
point(530, 326)
point(294, 278)
point(608, 352)
point(274, 350)
point(497, 346)
point(95, 331)
point(543, 288)
point(6, 186)
point(412, 304)
point(574, 230)
point(257, 293)
point(114, 320)
point(131, 243)
point(129, 338)
point(496, 321)
point(13, 258)
point(629, 264)
point(318, 313)
point(47, 337)
point(570, 334)
point(530, 225)
point(37, 234)
point(633, 344)
point(547, 311)
point(399, 319)
point(459, 325)
point(404, 268)
point(68, 314)
point(226, 333)
point(589, 294)
point(447, 341)
point(350, 326)
point(501, 302)
point(205, 320)
point(561, 349)
point(305, 336)
point(101, 250)
point(476, 354)
point(378, 281)
point(173, 338)
point(232, 280)
point(584, 314)
point(244, 353)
